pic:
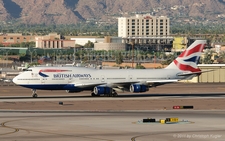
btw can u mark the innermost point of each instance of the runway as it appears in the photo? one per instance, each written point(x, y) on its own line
point(85, 118)
point(201, 96)
point(110, 126)
point(8, 89)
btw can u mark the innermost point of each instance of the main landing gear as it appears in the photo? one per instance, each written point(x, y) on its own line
point(34, 94)
point(112, 94)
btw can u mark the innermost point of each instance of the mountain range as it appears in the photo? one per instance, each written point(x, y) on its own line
point(74, 11)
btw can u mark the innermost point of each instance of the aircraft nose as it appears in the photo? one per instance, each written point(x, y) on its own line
point(15, 80)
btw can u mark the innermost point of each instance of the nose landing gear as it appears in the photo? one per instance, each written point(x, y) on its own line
point(34, 94)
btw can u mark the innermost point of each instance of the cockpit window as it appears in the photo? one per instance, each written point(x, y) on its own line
point(27, 69)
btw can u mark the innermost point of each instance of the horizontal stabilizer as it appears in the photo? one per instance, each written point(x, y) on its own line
point(192, 73)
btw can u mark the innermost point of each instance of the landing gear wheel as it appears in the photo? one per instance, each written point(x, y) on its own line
point(35, 95)
point(93, 94)
point(115, 94)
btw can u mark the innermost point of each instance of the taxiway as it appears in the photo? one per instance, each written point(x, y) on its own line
point(85, 118)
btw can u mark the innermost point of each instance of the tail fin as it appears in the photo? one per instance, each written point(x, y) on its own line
point(187, 60)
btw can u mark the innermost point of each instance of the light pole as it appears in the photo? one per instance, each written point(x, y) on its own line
point(132, 43)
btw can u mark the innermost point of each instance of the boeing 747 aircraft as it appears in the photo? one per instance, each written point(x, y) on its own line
point(110, 81)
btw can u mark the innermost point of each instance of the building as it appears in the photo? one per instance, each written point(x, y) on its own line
point(111, 43)
point(214, 73)
point(83, 41)
point(53, 41)
point(179, 44)
point(50, 36)
point(144, 26)
point(110, 46)
point(53, 44)
point(13, 38)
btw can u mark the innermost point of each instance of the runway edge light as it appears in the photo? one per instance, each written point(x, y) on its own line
point(183, 107)
point(176, 107)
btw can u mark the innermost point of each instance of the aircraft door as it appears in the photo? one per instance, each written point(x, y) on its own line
point(43, 80)
point(130, 77)
point(70, 80)
point(102, 78)
point(168, 76)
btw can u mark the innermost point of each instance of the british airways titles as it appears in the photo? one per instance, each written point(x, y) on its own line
point(71, 75)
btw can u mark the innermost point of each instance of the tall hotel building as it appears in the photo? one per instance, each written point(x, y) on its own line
point(145, 27)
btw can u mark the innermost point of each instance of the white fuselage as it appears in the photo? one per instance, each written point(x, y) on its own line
point(55, 80)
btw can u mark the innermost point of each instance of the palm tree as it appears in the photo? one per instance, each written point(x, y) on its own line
point(207, 57)
point(119, 58)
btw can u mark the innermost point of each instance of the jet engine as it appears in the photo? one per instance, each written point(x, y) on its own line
point(138, 88)
point(99, 90)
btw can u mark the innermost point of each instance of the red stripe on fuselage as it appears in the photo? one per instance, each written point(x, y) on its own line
point(52, 70)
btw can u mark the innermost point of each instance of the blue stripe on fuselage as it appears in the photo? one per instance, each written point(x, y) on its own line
point(45, 87)
point(52, 87)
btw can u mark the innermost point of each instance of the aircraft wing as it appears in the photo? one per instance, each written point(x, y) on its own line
point(154, 83)
point(87, 85)
point(126, 84)
point(149, 82)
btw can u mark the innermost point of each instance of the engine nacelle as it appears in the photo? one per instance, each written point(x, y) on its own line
point(138, 88)
point(98, 90)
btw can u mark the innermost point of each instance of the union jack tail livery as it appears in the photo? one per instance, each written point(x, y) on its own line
point(187, 61)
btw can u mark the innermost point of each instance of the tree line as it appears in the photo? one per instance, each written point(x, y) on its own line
point(101, 30)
